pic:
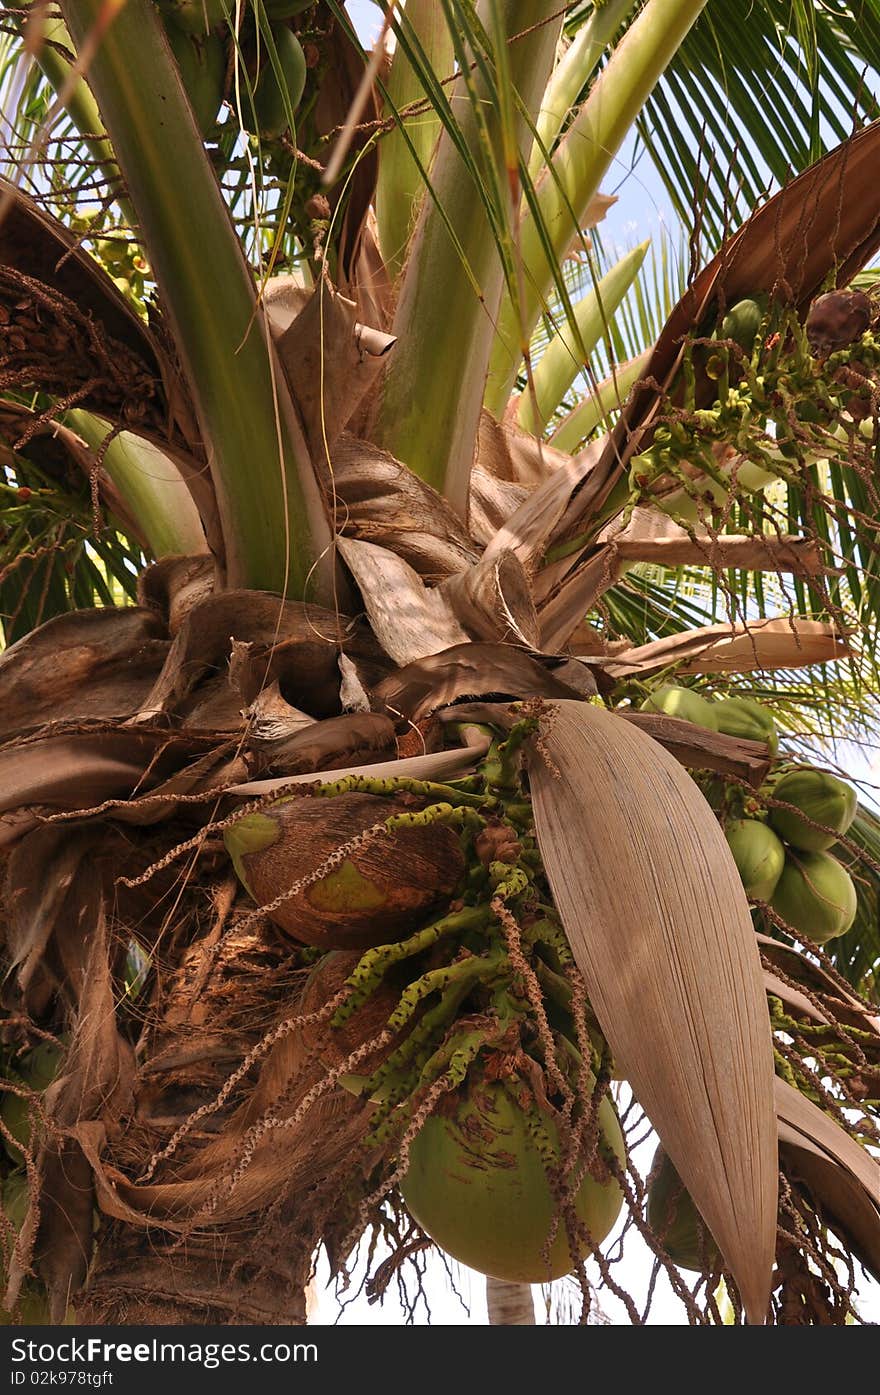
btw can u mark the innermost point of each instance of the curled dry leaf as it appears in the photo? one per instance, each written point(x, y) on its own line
point(493, 600)
point(85, 665)
point(473, 671)
point(409, 619)
point(330, 360)
point(377, 499)
point(174, 585)
point(659, 926)
point(782, 642)
point(842, 1174)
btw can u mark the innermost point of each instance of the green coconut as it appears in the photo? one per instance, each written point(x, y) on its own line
point(815, 895)
point(477, 1185)
point(748, 720)
point(823, 798)
point(674, 701)
point(272, 100)
point(35, 1070)
point(676, 1222)
point(742, 322)
point(759, 856)
point(196, 16)
point(380, 892)
point(202, 64)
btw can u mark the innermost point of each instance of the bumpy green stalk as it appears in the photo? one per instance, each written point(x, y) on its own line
point(568, 352)
point(580, 162)
point(270, 509)
point(400, 185)
point(452, 283)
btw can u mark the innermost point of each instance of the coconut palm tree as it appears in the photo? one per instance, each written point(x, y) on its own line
point(347, 865)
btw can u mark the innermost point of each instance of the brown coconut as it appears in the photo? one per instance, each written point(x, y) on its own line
point(382, 889)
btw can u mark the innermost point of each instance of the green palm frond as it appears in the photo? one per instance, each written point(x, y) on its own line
point(755, 95)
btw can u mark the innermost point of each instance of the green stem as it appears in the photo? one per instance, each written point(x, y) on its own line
point(452, 283)
point(579, 164)
point(80, 106)
point(606, 397)
point(401, 187)
point(572, 75)
point(270, 507)
point(569, 351)
point(150, 484)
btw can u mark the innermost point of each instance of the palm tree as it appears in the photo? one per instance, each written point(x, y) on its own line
point(346, 847)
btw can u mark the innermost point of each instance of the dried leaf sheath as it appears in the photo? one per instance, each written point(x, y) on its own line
point(659, 926)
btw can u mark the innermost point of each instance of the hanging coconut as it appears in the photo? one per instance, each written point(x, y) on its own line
point(759, 856)
point(202, 64)
point(477, 1184)
point(379, 892)
point(748, 720)
point(676, 1222)
point(275, 100)
point(823, 799)
point(674, 701)
point(34, 1071)
point(196, 16)
point(816, 896)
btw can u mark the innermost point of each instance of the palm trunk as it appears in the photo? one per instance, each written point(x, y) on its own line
point(510, 1305)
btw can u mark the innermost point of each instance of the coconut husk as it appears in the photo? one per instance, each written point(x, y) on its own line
point(659, 925)
point(381, 886)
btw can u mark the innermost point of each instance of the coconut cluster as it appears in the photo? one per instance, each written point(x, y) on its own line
point(781, 851)
point(444, 996)
point(270, 60)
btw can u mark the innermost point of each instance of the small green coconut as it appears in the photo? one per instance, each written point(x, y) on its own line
point(268, 116)
point(815, 896)
point(748, 720)
point(674, 701)
point(477, 1185)
point(676, 1222)
point(742, 322)
point(759, 856)
point(822, 798)
point(196, 16)
point(202, 64)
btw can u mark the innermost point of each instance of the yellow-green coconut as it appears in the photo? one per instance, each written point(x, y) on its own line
point(748, 720)
point(815, 896)
point(477, 1185)
point(759, 856)
point(676, 1222)
point(674, 701)
point(822, 798)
